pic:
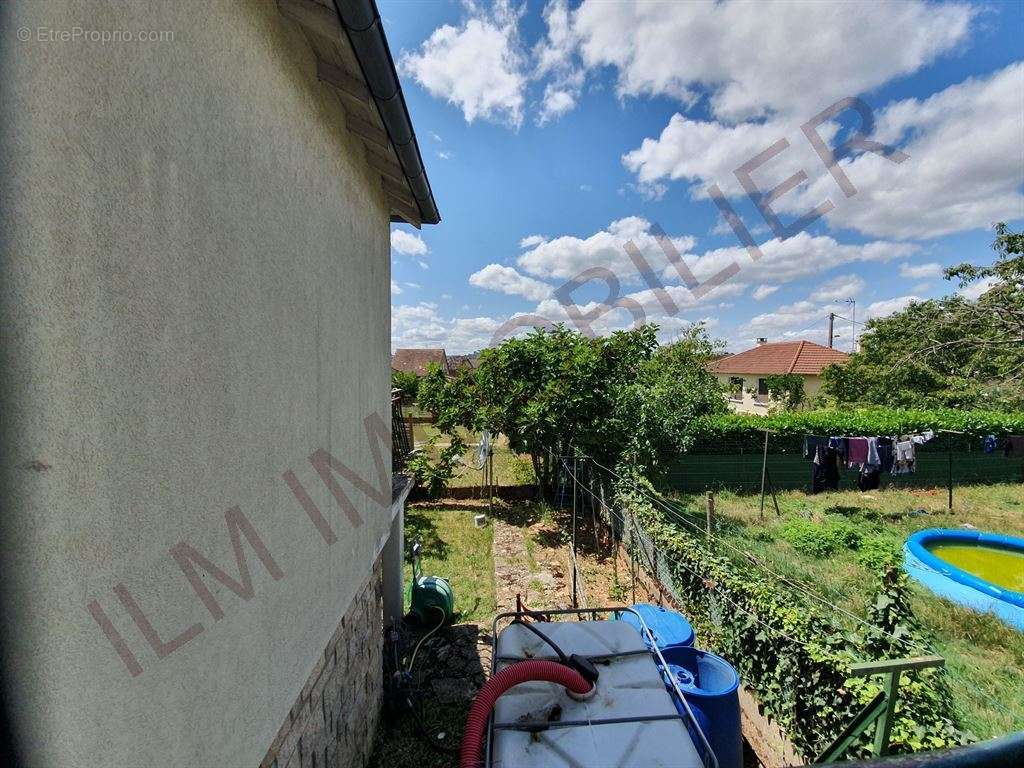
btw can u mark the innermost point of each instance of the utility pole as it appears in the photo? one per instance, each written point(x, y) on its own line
point(831, 323)
point(853, 323)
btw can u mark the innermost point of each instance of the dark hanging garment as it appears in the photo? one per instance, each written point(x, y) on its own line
point(838, 444)
point(825, 470)
point(811, 443)
point(885, 454)
point(868, 480)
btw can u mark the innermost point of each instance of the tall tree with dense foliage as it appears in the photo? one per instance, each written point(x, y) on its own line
point(556, 392)
point(953, 352)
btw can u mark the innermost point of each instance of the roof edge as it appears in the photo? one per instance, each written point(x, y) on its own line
point(361, 22)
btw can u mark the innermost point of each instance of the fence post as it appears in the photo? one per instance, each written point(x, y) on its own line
point(764, 470)
point(710, 513)
point(574, 532)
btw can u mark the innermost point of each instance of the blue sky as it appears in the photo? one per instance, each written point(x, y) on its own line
point(555, 133)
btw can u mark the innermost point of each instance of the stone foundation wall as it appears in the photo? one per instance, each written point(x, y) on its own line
point(334, 718)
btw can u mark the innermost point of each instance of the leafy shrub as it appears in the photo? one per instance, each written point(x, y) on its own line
point(788, 649)
point(820, 539)
point(711, 434)
point(407, 383)
point(434, 476)
point(878, 552)
point(521, 471)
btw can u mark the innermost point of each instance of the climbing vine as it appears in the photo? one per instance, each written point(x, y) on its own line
point(791, 652)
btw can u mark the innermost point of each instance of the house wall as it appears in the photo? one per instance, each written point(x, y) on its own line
point(752, 403)
point(194, 300)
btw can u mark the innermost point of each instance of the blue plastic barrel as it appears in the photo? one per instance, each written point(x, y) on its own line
point(711, 685)
point(669, 628)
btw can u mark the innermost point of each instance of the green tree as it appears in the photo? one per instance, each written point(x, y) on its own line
point(953, 352)
point(786, 389)
point(406, 382)
point(556, 392)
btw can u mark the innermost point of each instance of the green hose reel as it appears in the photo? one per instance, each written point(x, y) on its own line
point(429, 594)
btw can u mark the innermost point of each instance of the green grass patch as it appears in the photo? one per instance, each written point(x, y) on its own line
point(454, 548)
point(813, 543)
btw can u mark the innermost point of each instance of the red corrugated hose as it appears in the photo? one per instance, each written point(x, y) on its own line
point(521, 672)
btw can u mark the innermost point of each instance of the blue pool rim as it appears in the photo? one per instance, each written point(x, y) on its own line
point(956, 584)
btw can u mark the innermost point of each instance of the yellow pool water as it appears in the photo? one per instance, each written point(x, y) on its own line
point(1002, 567)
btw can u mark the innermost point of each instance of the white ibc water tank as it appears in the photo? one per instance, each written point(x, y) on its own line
point(646, 731)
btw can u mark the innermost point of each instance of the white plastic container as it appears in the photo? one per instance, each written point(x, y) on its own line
point(630, 687)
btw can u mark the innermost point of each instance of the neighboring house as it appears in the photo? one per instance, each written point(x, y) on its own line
point(743, 374)
point(459, 362)
point(418, 361)
point(201, 538)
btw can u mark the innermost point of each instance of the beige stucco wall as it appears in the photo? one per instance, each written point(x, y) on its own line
point(195, 297)
point(750, 403)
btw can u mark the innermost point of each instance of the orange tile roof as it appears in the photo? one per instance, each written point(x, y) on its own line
point(804, 357)
point(417, 360)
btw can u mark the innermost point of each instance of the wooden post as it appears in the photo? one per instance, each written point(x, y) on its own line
point(710, 514)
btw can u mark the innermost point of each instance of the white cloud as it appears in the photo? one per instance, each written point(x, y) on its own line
point(445, 155)
point(423, 265)
point(531, 240)
point(586, 188)
point(395, 288)
point(496, 277)
point(964, 171)
point(420, 325)
point(764, 291)
point(975, 290)
point(435, 137)
point(799, 256)
point(838, 288)
point(554, 57)
point(920, 271)
point(791, 319)
point(414, 286)
point(476, 66)
point(889, 306)
point(565, 257)
point(964, 168)
point(407, 243)
point(780, 57)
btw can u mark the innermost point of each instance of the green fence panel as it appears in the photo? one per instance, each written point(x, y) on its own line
point(739, 469)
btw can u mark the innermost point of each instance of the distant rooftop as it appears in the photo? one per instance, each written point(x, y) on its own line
point(803, 357)
point(417, 360)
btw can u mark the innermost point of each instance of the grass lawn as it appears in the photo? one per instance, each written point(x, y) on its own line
point(985, 658)
point(509, 467)
point(453, 547)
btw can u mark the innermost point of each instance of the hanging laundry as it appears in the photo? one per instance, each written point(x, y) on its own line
point(811, 442)
point(869, 478)
point(904, 463)
point(874, 460)
point(989, 444)
point(923, 438)
point(825, 469)
point(838, 444)
point(856, 452)
point(885, 453)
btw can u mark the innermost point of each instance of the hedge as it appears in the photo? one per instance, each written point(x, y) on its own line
point(800, 671)
point(747, 429)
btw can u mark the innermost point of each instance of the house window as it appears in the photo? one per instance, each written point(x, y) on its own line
point(762, 388)
point(736, 387)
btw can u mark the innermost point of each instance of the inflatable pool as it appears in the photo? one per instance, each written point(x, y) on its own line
point(983, 571)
